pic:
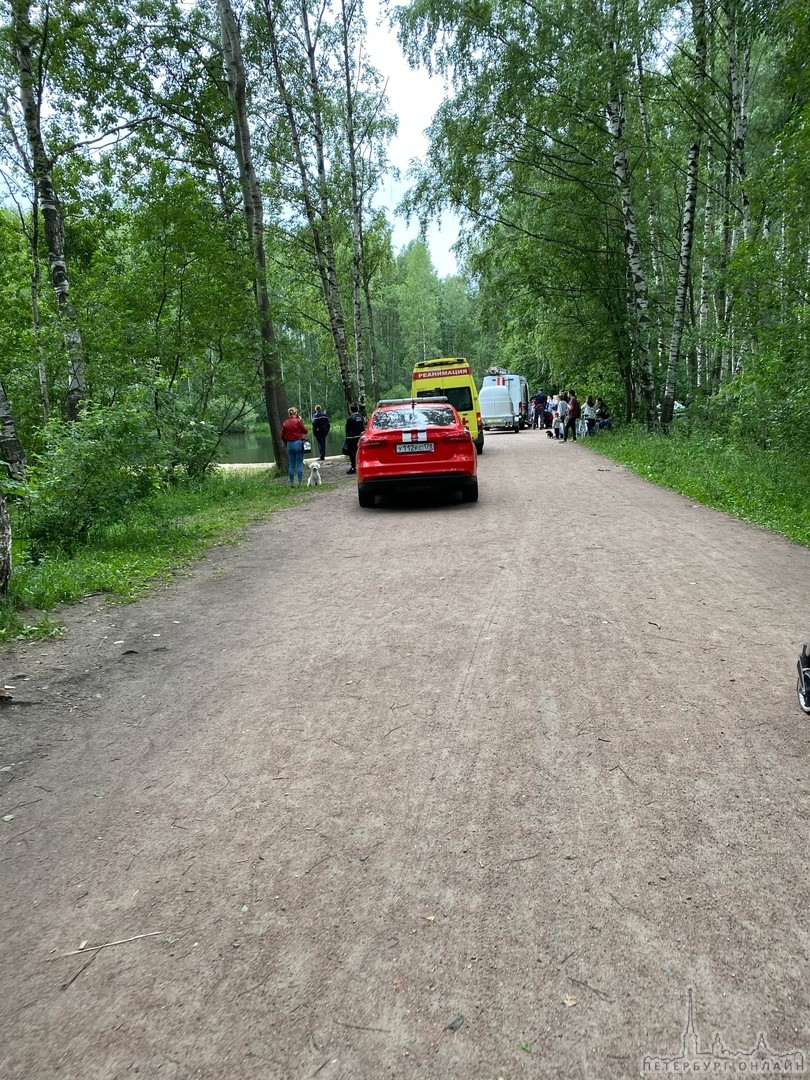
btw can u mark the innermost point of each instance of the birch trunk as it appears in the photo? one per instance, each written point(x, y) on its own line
point(5, 546)
point(375, 379)
point(275, 397)
point(688, 223)
point(640, 319)
point(44, 395)
point(357, 215)
point(739, 72)
point(682, 289)
point(655, 249)
point(42, 175)
point(11, 450)
point(702, 375)
point(316, 204)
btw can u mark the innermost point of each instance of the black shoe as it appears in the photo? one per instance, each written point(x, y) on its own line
point(803, 682)
point(348, 471)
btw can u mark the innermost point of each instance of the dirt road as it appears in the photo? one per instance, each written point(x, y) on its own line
point(535, 763)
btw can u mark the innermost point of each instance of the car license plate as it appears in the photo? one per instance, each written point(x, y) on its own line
point(415, 448)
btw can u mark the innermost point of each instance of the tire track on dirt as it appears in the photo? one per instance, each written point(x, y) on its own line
point(526, 752)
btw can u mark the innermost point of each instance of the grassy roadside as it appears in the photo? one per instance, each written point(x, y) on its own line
point(157, 536)
point(761, 486)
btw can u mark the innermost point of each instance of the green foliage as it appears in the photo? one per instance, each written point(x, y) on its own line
point(146, 542)
point(767, 489)
point(90, 471)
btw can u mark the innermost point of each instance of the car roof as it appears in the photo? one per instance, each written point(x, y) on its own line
point(413, 401)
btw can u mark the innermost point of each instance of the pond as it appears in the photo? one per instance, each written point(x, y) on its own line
point(254, 447)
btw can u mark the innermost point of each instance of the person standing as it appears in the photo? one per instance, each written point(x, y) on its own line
point(320, 429)
point(574, 412)
point(539, 409)
point(589, 414)
point(562, 416)
point(293, 433)
point(355, 426)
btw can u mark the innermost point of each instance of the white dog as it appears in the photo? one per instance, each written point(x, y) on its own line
point(314, 473)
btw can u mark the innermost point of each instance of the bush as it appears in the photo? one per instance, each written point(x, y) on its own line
point(90, 471)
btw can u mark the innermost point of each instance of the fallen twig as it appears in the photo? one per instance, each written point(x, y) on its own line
point(21, 804)
point(525, 858)
point(318, 863)
point(362, 1027)
point(621, 770)
point(74, 977)
point(107, 945)
point(213, 793)
point(599, 993)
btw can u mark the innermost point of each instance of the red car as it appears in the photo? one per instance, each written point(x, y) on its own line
point(419, 443)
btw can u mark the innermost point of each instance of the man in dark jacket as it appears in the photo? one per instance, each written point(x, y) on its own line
point(320, 429)
point(355, 426)
point(574, 413)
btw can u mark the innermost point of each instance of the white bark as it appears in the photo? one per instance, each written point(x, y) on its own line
point(274, 394)
point(5, 547)
point(703, 315)
point(688, 222)
point(316, 203)
point(11, 450)
point(356, 212)
point(635, 266)
point(42, 167)
point(655, 249)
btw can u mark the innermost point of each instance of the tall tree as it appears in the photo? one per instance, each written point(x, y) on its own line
point(304, 113)
point(274, 393)
point(688, 221)
point(39, 165)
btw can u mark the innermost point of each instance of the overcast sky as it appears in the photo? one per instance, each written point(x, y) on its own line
point(414, 97)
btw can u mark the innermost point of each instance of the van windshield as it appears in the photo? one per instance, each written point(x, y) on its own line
point(459, 396)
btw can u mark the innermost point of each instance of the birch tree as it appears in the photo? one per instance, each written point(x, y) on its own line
point(688, 222)
point(274, 393)
point(635, 267)
point(305, 123)
point(39, 165)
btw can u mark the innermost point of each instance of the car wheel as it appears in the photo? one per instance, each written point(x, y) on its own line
point(470, 492)
point(803, 699)
point(365, 498)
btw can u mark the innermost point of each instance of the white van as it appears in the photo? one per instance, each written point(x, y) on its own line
point(518, 388)
point(497, 409)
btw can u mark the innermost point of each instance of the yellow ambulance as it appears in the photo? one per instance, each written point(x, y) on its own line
point(451, 377)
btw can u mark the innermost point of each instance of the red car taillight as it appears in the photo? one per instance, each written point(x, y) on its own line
point(458, 436)
point(374, 441)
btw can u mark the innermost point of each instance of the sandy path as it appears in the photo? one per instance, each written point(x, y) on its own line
point(534, 762)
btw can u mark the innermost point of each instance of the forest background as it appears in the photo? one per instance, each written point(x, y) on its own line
point(191, 240)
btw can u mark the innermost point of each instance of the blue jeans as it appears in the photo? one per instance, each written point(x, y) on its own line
point(295, 452)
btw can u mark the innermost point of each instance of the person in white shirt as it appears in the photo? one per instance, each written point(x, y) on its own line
point(562, 415)
point(589, 414)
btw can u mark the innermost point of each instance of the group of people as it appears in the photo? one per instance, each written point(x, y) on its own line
point(294, 432)
point(561, 413)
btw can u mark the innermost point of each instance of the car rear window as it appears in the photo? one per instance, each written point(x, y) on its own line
point(421, 416)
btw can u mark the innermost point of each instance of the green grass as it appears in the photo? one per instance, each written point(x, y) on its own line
point(765, 487)
point(158, 536)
